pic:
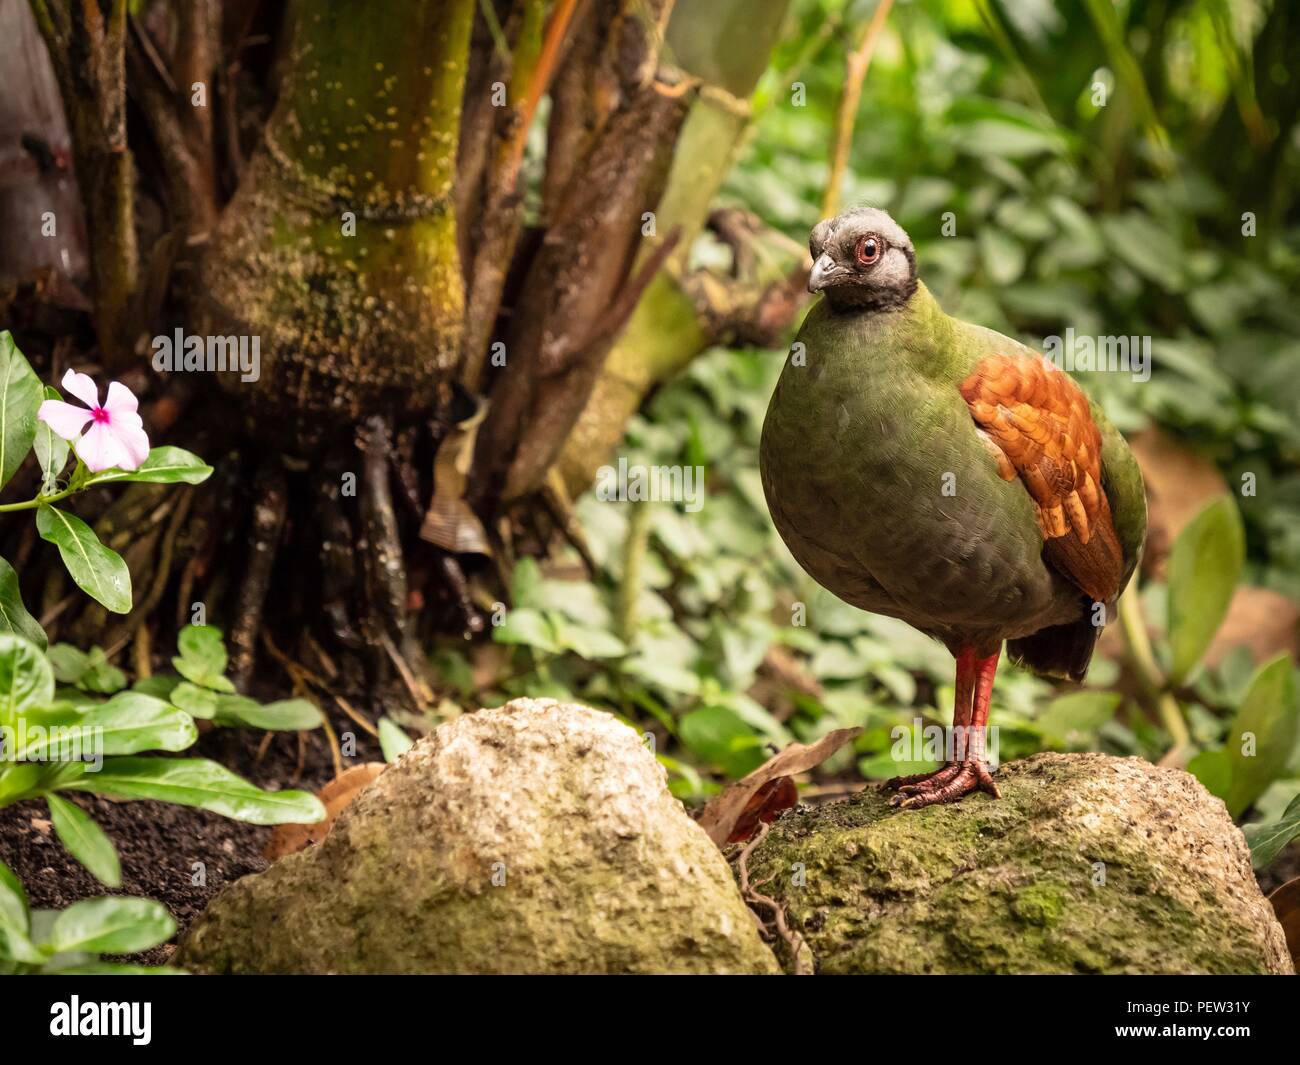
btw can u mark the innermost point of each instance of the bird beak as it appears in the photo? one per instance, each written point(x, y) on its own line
point(822, 272)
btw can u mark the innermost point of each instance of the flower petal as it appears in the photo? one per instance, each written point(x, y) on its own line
point(81, 386)
point(134, 442)
point(121, 400)
point(66, 420)
point(99, 449)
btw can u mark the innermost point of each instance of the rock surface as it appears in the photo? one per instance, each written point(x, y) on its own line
point(1088, 864)
point(538, 837)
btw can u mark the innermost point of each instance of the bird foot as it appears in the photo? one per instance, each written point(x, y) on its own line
point(954, 781)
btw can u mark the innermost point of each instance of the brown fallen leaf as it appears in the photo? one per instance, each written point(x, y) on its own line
point(289, 839)
point(764, 806)
point(1286, 905)
point(722, 815)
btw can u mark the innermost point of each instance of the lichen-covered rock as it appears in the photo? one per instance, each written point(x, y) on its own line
point(1088, 864)
point(538, 837)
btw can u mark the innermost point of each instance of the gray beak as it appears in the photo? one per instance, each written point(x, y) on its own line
point(823, 270)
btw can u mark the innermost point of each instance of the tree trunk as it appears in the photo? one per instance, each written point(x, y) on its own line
point(339, 248)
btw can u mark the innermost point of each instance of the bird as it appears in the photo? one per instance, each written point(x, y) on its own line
point(933, 470)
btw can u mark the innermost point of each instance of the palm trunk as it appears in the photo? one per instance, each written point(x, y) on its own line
point(339, 248)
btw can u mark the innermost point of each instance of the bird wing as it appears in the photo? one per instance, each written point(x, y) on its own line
point(1039, 419)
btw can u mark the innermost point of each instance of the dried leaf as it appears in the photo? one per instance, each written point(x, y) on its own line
point(289, 839)
point(765, 805)
point(1286, 905)
point(450, 522)
point(722, 815)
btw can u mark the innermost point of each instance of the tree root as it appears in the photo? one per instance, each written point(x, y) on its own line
point(776, 927)
point(268, 523)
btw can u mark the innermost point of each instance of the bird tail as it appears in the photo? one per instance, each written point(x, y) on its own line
point(1059, 651)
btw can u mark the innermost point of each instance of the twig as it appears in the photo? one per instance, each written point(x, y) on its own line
point(856, 65)
point(1144, 663)
point(418, 690)
point(794, 941)
point(362, 721)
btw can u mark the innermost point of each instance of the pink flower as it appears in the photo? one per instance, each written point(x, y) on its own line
point(116, 437)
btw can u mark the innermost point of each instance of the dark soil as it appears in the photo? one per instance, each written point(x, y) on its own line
point(177, 855)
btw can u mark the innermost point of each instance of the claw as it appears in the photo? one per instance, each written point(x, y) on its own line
point(944, 786)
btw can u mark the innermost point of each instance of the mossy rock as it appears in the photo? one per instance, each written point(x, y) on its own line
point(538, 837)
point(1087, 864)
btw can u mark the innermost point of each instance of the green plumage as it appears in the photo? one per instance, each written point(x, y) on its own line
point(879, 482)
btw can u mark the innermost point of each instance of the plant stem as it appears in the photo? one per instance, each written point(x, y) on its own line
point(856, 66)
point(39, 501)
point(1144, 661)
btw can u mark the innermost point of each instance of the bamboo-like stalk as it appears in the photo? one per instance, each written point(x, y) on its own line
point(339, 250)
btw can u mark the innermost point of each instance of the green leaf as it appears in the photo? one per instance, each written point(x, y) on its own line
point(90, 672)
point(85, 840)
point(1266, 841)
point(1004, 258)
point(98, 571)
point(195, 701)
point(127, 724)
point(206, 785)
point(13, 614)
point(203, 657)
point(160, 686)
point(20, 398)
point(51, 450)
point(164, 465)
point(524, 625)
point(111, 925)
point(26, 679)
point(1212, 769)
point(13, 901)
point(69, 663)
point(102, 677)
point(1204, 567)
point(525, 584)
point(287, 715)
point(392, 740)
point(15, 946)
point(1073, 719)
point(587, 642)
point(721, 738)
point(1263, 733)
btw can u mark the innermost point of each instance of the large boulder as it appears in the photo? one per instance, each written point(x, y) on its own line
point(538, 837)
point(1088, 864)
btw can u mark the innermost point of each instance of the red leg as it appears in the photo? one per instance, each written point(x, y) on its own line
point(961, 717)
point(969, 771)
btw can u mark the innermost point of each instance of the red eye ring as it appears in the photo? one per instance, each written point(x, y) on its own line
point(868, 250)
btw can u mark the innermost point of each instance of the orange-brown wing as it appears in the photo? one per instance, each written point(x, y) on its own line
point(1038, 418)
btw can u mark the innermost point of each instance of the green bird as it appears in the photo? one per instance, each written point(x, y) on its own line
point(936, 471)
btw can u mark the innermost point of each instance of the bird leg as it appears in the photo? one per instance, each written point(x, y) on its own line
point(967, 771)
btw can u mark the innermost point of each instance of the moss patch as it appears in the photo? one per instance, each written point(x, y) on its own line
point(1087, 864)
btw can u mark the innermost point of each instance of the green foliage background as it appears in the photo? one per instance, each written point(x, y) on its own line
point(1123, 217)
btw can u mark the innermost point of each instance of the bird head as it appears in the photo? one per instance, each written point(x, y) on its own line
point(862, 260)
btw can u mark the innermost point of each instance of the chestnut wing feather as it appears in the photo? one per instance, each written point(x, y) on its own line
point(1037, 416)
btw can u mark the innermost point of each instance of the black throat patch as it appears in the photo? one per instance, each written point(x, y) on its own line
point(873, 298)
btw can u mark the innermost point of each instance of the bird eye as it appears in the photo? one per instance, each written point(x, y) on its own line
point(868, 250)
